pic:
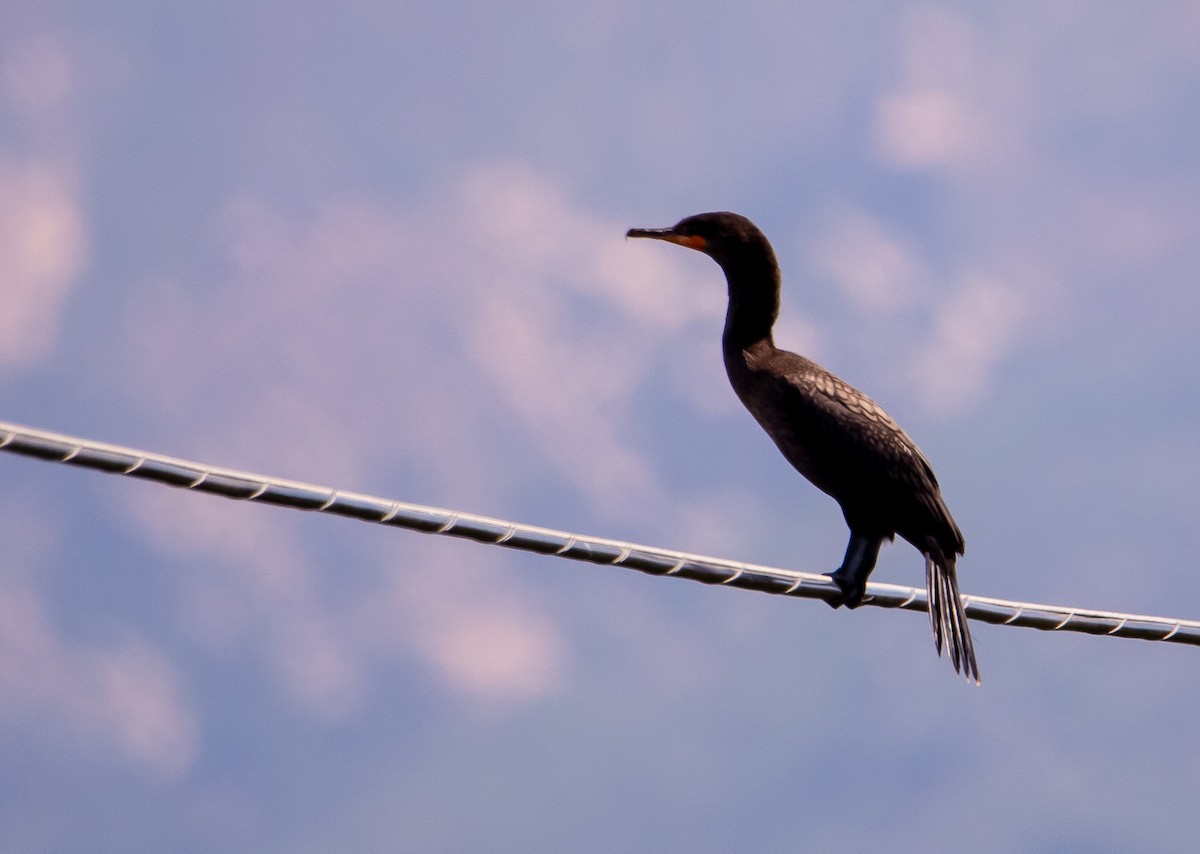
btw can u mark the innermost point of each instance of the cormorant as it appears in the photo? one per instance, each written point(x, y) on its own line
point(832, 433)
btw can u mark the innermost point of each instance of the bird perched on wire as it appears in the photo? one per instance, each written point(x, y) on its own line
point(832, 433)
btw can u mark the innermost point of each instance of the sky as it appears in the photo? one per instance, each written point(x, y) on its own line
point(379, 246)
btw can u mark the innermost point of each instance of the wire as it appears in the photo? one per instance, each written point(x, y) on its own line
point(115, 459)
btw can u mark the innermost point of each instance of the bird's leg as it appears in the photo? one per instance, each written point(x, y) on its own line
point(851, 576)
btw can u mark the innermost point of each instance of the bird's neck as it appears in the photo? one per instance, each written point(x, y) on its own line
point(753, 307)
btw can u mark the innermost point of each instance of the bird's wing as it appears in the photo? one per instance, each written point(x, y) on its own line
point(802, 405)
point(846, 406)
point(845, 443)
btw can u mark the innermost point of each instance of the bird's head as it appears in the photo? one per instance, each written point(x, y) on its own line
point(728, 238)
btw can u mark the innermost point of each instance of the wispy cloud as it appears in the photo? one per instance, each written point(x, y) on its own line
point(951, 332)
point(975, 326)
point(482, 636)
point(385, 316)
point(876, 268)
point(254, 585)
point(944, 111)
point(126, 697)
point(43, 245)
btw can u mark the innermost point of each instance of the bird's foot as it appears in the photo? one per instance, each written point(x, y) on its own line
point(852, 590)
point(851, 577)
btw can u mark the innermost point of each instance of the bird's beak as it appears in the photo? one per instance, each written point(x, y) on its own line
point(691, 241)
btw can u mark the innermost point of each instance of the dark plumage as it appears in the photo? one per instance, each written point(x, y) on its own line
point(833, 434)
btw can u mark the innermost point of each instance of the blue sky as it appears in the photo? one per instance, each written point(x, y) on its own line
point(379, 246)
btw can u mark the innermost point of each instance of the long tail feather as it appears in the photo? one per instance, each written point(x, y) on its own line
point(947, 617)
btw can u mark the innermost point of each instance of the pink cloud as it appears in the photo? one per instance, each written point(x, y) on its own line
point(975, 327)
point(875, 268)
point(126, 697)
point(42, 251)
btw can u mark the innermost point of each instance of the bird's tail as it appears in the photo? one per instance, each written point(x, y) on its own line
point(947, 616)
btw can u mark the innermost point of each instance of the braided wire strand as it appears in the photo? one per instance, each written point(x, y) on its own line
point(231, 483)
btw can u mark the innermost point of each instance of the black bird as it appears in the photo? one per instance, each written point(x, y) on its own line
point(832, 433)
